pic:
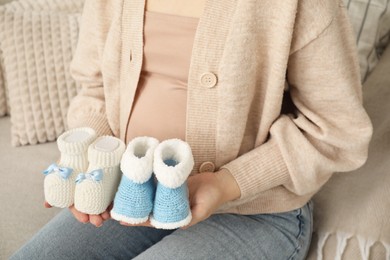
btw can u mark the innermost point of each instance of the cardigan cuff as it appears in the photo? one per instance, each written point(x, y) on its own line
point(259, 170)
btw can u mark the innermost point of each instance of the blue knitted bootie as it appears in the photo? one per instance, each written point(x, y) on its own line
point(173, 162)
point(133, 201)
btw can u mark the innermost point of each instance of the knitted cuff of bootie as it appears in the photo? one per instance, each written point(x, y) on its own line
point(73, 145)
point(59, 183)
point(134, 199)
point(76, 140)
point(173, 163)
point(96, 188)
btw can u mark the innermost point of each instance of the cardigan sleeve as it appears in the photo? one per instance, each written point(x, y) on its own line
point(88, 107)
point(329, 130)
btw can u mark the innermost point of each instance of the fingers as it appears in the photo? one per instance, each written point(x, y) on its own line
point(82, 217)
point(193, 222)
point(105, 215)
point(110, 207)
point(145, 224)
point(199, 214)
point(96, 220)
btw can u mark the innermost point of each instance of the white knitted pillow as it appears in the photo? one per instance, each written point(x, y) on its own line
point(3, 94)
point(370, 20)
point(37, 49)
point(42, 5)
point(70, 6)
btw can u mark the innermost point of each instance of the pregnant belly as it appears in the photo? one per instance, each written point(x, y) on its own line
point(159, 108)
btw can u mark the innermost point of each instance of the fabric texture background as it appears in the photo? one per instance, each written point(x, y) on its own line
point(39, 38)
point(370, 20)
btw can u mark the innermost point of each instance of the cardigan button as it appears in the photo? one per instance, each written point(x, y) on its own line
point(207, 167)
point(208, 80)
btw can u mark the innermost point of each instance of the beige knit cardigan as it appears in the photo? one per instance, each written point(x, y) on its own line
point(246, 55)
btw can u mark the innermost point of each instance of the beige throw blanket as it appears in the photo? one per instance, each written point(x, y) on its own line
point(352, 211)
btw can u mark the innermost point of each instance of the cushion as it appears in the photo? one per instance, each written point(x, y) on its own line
point(352, 210)
point(4, 1)
point(33, 5)
point(370, 20)
point(3, 94)
point(37, 48)
point(41, 5)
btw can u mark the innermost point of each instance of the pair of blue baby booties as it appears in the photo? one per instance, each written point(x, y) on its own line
point(163, 199)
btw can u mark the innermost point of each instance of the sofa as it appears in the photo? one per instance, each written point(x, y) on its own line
point(351, 212)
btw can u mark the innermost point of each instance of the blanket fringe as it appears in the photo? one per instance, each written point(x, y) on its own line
point(365, 245)
point(321, 242)
point(387, 247)
point(342, 239)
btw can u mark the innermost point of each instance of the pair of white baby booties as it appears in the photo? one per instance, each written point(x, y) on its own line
point(90, 168)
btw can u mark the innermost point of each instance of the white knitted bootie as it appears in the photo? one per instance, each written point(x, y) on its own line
point(59, 183)
point(96, 188)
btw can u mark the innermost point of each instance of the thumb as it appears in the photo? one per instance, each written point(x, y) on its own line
point(199, 213)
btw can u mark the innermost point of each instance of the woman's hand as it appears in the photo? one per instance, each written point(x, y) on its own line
point(145, 224)
point(208, 191)
point(96, 220)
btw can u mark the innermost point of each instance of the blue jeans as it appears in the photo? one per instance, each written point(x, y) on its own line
point(223, 236)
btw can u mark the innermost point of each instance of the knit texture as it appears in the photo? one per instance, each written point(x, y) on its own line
point(285, 112)
point(137, 161)
point(41, 5)
point(173, 162)
point(38, 39)
point(134, 199)
point(59, 191)
point(171, 208)
point(3, 95)
point(93, 196)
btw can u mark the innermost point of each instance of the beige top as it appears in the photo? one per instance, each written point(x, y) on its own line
point(159, 108)
point(279, 146)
